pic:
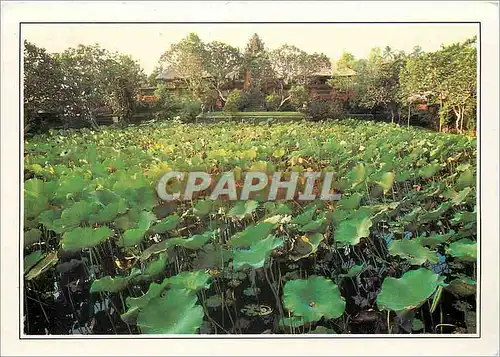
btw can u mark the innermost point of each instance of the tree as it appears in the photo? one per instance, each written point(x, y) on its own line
point(222, 65)
point(42, 78)
point(377, 79)
point(256, 62)
point(346, 61)
point(446, 76)
point(92, 78)
point(292, 66)
point(461, 82)
point(123, 87)
point(188, 57)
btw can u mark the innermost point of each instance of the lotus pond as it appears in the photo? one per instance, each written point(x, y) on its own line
point(103, 255)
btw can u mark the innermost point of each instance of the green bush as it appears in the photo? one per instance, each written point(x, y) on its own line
point(272, 102)
point(168, 104)
point(190, 109)
point(323, 109)
point(299, 97)
point(233, 102)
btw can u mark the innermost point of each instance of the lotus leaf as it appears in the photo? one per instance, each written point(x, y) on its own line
point(192, 280)
point(464, 249)
point(313, 298)
point(85, 237)
point(258, 253)
point(409, 291)
point(412, 251)
point(175, 312)
point(243, 209)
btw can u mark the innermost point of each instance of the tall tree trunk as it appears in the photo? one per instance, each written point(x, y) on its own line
point(440, 108)
point(409, 114)
point(457, 118)
point(92, 120)
point(462, 114)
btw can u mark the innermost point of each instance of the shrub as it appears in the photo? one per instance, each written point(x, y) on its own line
point(272, 102)
point(167, 102)
point(190, 109)
point(233, 101)
point(210, 100)
point(323, 109)
point(299, 97)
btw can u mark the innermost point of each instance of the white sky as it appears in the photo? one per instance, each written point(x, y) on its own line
point(146, 42)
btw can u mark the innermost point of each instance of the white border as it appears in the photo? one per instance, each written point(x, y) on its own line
point(14, 12)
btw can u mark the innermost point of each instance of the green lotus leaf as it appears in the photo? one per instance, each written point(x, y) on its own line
point(248, 154)
point(386, 181)
point(458, 198)
point(305, 217)
point(140, 302)
point(132, 237)
point(214, 301)
point(130, 316)
point(48, 217)
point(113, 285)
point(212, 257)
point(434, 215)
point(243, 209)
point(191, 280)
point(357, 175)
point(31, 236)
point(70, 185)
point(202, 208)
point(355, 270)
point(429, 170)
point(434, 240)
point(251, 234)
point(294, 322)
point(42, 266)
point(412, 251)
point(464, 249)
point(306, 245)
point(157, 266)
point(31, 259)
point(277, 208)
point(339, 215)
point(145, 220)
point(258, 253)
point(464, 218)
point(462, 287)
point(313, 225)
point(408, 292)
point(465, 179)
point(351, 230)
point(175, 312)
point(351, 202)
point(196, 241)
point(313, 298)
point(109, 212)
point(86, 237)
point(166, 224)
point(160, 247)
point(78, 212)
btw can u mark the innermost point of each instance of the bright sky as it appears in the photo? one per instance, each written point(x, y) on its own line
point(146, 42)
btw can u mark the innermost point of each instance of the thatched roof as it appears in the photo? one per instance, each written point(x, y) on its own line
point(169, 74)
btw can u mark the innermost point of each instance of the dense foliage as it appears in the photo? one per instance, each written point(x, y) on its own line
point(78, 82)
point(397, 82)
point(397, 254)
